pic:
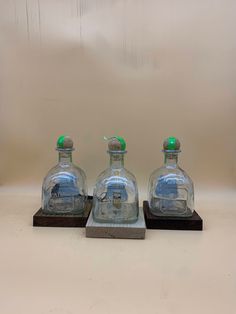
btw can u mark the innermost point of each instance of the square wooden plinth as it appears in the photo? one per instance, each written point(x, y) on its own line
point(172, 223)
point(41, 219)
point(116, 231)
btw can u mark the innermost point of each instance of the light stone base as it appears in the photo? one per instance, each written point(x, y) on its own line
point(116, 231)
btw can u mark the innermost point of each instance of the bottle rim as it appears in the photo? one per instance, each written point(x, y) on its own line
point(65, 149)
point(171, 151)
point(120, 152)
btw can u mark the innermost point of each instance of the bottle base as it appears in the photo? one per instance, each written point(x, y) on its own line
point(171, 208)
point(106, 213)
point(63, 212)
point(171, 212)
point(64, 205)
point(114, 221)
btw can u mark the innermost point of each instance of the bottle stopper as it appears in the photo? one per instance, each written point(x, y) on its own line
point(116, 143)
point(171, 144)
point(64, 142)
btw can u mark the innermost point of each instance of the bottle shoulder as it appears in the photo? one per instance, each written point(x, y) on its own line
point(65, 172)
point(170, 173)
point(114, 174)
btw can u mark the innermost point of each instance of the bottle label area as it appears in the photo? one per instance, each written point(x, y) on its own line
point(170, 198)
point(113, 205)
point(116, 193)
point(65, 198)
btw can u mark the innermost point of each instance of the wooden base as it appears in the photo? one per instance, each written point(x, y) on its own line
point(172, 223)
point(116, 231)
point(41, 219)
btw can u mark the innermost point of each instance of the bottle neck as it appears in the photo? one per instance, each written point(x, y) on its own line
point(116, 160)
point(171, 160)
point(65, 156)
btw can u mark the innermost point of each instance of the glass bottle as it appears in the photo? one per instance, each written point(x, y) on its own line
point(64, 188)
point(171, 191)
point(116, 193)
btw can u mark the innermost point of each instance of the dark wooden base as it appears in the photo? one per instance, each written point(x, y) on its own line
point(41, 219)
point(172, 223)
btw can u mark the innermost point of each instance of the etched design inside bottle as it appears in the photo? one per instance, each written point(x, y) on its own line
point(64, 196)
point(170, 197)
point(113, 205)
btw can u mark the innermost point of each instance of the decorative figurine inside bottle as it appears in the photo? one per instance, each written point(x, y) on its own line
point(64, 188)
point(171, 191)
point(116, 192)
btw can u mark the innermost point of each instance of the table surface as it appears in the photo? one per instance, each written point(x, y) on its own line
point(58, 270)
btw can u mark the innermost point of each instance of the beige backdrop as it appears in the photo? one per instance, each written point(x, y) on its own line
point(140, 69)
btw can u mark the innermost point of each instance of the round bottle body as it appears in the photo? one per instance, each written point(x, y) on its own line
point(64, 190)
point(116, 197)
point(171, 193)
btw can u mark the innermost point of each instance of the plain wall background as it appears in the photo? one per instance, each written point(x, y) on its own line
point(142, 69)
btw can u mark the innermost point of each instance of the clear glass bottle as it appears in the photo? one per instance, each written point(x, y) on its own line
point(171, 191)
point(64, 188)
point(116, 193)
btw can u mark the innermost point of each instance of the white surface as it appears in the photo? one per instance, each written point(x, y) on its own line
point(58, 270)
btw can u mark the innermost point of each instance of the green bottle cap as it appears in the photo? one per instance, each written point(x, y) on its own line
point(122, 142)
point(116, 143)
point(171, 143)
point(64, 142)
